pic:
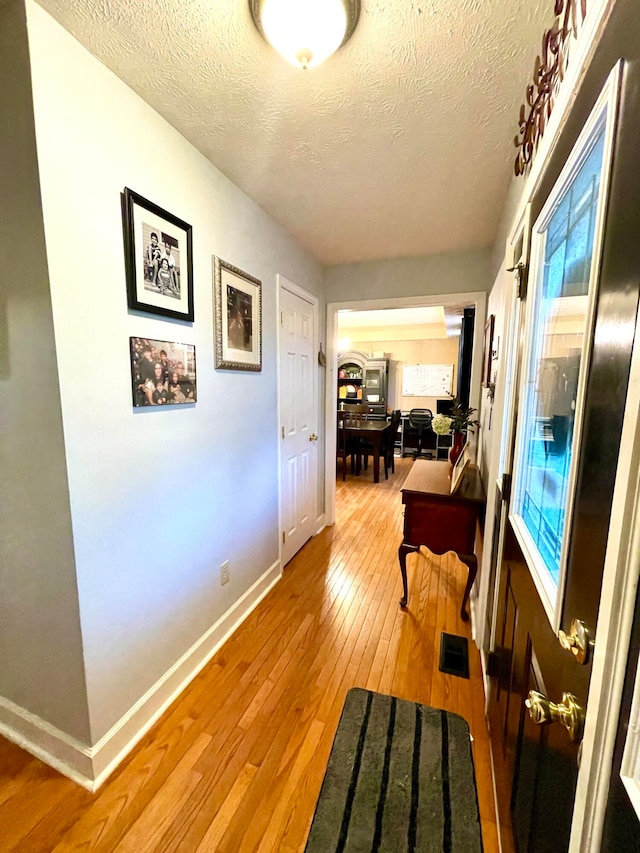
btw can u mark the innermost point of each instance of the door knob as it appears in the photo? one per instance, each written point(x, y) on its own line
point(576, 641)
point(313, 437)
point(568, 712)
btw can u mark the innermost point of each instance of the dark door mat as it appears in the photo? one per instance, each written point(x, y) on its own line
point(400, 779)
point(454, 655)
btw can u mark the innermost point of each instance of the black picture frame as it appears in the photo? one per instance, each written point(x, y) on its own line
point(238, 316)
point(160, 275)
point(488, 352)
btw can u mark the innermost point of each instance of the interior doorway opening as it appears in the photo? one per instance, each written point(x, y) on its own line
point(374, 325)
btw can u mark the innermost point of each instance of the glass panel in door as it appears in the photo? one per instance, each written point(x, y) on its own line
point(559, 327)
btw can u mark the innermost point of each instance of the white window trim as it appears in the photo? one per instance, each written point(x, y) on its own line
point(605, 110)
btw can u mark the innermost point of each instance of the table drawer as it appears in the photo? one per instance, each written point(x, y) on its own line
point(440, 526)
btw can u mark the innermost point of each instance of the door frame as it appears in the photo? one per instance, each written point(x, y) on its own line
point(501, 456)
point(613, 629)
point(472, 298)
point(285, 284)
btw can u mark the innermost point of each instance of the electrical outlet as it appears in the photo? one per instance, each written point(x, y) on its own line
point(225, 573)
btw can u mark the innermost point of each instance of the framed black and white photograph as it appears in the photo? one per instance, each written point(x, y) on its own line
point(238, 310)
point(163, 373)
point(159, 262)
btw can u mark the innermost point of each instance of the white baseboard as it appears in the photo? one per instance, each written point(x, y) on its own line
point(57, 749)
point(90, 766)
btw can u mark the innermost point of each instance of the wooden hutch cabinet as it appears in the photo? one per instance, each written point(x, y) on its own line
point(363, 380)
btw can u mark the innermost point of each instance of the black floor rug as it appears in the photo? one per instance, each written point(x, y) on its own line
point(399, 779)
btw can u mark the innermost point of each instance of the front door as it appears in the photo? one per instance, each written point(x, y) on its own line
point(580, 317)
point(298, 414)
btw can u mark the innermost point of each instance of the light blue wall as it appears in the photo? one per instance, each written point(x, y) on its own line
point(452, 272)
point(159, 499)
point(41, 665)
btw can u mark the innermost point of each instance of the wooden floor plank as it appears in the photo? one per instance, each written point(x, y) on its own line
point(237, 762)
point(148, 830)
point(223, 818)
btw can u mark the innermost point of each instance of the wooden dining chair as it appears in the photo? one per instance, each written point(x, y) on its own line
point(356, 412)
point(344, 444)
point(390, 443)
point(387, 447)
point(360, 446)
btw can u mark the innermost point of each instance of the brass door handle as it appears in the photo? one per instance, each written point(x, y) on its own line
point(313, 437)
point(576, 641)
point(568, 712)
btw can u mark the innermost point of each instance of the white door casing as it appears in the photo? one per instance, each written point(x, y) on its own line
point(298, 417)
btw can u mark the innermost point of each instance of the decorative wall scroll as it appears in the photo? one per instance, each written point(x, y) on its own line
point(548, 73)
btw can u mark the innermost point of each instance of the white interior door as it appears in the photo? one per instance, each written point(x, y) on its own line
point(298, 415)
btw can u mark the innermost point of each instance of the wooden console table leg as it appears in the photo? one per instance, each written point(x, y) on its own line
point(403, 550)
point(471, 562)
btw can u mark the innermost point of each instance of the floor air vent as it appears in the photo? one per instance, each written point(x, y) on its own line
point(454, 655)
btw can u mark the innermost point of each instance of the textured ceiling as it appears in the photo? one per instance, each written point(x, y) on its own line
point(401, 144)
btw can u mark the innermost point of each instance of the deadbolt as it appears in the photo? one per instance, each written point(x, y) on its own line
point(568, 712)
point(576, 641)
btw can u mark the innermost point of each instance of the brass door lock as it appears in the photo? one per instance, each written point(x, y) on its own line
point(576, 641)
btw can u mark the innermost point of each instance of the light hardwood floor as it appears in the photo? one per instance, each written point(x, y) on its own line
point(237, 762)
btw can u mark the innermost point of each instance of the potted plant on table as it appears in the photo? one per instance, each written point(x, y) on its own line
point(459, 422)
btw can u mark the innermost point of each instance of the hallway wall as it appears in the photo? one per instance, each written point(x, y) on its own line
point(39, 615)
point(157, 498)
point(451, 272)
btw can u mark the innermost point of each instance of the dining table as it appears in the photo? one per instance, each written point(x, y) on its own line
point(372, 431)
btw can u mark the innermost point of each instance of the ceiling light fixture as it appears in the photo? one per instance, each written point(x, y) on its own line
point(305, 32)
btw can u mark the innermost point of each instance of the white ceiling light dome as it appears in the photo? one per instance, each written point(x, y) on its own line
point(305, 32)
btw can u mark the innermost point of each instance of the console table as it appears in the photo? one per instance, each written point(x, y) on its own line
point(440, 521)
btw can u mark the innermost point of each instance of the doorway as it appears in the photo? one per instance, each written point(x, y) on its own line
point(476, 300)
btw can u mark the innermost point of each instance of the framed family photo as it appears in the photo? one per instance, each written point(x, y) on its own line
point(163, 373)
point(238, 314)
point(159, 259)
